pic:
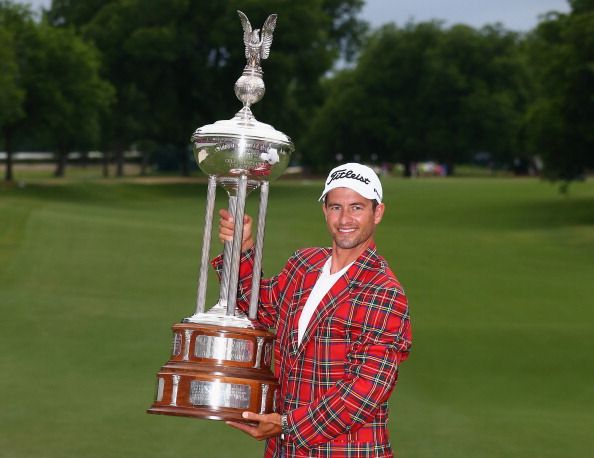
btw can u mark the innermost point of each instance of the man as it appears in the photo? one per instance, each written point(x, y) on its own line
point(342, 330)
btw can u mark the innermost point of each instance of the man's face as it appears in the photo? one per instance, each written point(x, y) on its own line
point(350, 217)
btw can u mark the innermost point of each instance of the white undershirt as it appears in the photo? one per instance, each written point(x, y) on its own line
point(324, 283)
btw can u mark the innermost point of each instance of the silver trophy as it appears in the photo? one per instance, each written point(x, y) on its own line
point(221, 359)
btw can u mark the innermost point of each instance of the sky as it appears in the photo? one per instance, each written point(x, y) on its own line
point(518, 15)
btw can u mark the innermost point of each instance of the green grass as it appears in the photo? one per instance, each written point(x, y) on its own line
point(499, 274)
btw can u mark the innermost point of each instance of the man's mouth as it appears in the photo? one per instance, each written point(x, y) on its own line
point(346, 230)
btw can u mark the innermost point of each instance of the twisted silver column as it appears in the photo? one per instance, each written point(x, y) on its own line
point(227, 250)
point(203, 275)
point(257, 272)
point(237, 239)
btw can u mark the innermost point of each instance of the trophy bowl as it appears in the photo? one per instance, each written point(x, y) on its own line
point(241, 146)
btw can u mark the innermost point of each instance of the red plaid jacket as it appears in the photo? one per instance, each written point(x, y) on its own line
point(335, 386)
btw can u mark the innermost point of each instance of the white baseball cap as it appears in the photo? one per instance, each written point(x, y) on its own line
point(357, 177)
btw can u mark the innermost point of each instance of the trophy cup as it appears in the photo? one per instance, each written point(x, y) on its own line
point(221, 359)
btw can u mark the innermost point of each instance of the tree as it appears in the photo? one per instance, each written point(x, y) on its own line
point(562, 116)
point(56, 93)
point(11, 94)
point(422, 92)
point(174, 62)
point(582, 6)
point(16, 24)
point(68, 95)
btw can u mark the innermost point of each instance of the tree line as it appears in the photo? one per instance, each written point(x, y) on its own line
point(108, 74)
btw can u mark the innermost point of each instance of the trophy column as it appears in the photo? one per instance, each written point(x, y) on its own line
point(221, 359)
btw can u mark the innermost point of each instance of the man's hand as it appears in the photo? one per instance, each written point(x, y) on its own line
point(227, 226)
point(269, 425)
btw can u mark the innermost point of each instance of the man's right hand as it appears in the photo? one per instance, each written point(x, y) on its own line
point(227, 226)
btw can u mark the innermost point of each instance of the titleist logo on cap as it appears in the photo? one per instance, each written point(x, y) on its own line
point(344, 173)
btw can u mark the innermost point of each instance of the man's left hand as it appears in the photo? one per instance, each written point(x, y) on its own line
point(269, 425)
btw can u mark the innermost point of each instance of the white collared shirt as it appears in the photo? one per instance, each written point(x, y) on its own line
point(325, 282)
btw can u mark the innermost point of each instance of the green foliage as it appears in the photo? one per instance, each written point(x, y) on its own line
point(174, 63)
point(65, 87)
point(12, 94)
point(60, 96)
point(424, 92)
point(16, 26)
point(417, 92)
point(562, 116)
point(582, 6)
point(11, 91)
point(13, 20)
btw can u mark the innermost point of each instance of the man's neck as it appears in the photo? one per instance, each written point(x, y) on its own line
point(342, 257)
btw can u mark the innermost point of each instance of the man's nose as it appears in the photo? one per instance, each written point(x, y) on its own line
point(344, 217)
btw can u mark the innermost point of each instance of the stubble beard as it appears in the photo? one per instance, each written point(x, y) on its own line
point(346, 243)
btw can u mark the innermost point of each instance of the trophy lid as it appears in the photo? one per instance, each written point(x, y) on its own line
point(242, 125)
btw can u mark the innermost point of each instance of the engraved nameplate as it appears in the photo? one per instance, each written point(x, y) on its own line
point(175, 378)
point(219, 394)
point(160, 386)
point(215, 347)
point(177, 341)
point(263, 399)
point(268, 354)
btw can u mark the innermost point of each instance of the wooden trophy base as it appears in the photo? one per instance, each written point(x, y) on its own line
point(216, 373)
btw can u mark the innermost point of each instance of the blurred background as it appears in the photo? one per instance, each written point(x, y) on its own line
point(121, 84)
point(479, 117)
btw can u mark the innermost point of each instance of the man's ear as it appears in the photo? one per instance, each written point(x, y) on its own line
point(379, 213)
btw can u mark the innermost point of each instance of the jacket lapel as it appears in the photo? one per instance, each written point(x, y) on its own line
point(307, 283)
point(337, 294)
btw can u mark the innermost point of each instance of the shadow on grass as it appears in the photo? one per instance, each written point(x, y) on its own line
point(108, 193)
point(517, 212)
point(570, 211)
point(113, 192)
point(524, 214)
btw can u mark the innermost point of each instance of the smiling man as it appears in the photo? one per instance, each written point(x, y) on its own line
point(342, 330)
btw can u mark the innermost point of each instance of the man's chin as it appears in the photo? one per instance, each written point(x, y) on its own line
point(347, 244)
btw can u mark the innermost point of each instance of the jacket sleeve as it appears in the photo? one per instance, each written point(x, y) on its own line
point(370, 375)
point(271, 289)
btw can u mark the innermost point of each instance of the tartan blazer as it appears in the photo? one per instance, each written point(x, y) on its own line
point(335, 386)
